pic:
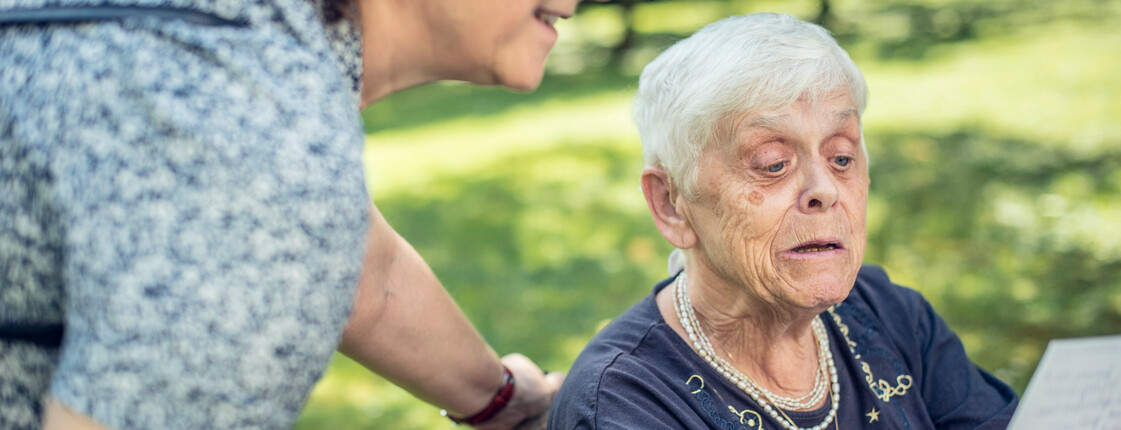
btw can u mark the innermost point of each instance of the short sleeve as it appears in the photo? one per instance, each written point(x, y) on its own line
point(622, 397)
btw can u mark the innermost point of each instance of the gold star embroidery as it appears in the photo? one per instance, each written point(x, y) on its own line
point(873, 416)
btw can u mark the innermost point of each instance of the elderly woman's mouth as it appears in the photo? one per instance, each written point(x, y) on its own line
point(817, 247)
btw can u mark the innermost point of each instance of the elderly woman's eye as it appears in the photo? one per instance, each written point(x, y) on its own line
point(777, 167)
point(842, 160)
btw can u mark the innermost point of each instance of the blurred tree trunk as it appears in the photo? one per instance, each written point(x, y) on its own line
point(825, 16)
point(619, 51)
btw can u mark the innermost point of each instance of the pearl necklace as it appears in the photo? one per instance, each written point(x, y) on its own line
point(684, 309)
point(804, 402)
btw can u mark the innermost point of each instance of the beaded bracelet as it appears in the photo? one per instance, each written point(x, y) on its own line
point(497, 404)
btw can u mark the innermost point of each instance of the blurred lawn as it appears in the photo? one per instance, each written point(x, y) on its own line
point(995, 141)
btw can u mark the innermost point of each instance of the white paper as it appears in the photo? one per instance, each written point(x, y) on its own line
point(1077, 385)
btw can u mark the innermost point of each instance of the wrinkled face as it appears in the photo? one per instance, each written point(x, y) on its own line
point(781, 207)
point(502, 42)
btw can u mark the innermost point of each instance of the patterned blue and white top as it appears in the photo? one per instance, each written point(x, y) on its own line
point(188, 202)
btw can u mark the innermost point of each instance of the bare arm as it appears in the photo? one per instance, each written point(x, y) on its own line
point(407, 328)
point(56, 416)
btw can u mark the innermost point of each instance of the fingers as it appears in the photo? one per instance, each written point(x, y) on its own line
point(539, 422)
point(550, 384)
point(533, 395)
point(524, 368)
point(553, 381)
point(517, 362)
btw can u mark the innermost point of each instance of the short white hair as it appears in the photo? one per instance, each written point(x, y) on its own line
point(737, 65)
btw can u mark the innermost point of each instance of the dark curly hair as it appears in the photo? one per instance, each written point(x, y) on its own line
point(340, 9)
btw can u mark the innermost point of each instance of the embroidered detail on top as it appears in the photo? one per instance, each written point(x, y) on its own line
point(706, 404)
point(687, 381)
point(882, 388)
point(755, 417)
point(873, 416)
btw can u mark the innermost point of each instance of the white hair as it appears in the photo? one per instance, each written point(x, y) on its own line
point(737, 65)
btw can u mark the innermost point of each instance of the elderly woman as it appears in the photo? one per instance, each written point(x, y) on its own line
point(757, 172)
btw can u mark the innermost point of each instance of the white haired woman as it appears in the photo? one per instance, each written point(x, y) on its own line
point(756, 171)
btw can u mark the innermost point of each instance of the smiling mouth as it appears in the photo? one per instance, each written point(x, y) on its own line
point(549, 18)
point(816, 247)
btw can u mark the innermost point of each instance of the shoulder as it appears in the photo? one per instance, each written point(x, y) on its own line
point(616, 380)
point(895, 332)
point(875, 292)
point(877, 308)
point(606, 356)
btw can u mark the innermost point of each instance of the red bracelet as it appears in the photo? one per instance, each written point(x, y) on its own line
point(497, 404)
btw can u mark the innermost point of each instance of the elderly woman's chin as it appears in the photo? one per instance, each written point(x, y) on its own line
point(822, 276)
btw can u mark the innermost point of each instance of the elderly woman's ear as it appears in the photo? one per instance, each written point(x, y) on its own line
point(667, 206)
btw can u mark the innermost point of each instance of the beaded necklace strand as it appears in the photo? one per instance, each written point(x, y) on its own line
point(772, 403)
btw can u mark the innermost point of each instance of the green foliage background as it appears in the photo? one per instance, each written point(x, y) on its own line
point(994, 129)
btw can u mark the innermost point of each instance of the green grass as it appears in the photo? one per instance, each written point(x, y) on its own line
point(996, 184)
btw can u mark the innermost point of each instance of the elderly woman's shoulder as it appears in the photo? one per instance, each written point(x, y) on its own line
point(880, 312)
point(875, 292)
point(873, 279)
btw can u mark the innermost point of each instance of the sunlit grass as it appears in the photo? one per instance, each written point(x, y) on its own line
point(1056, 84)
point(350, 397)
point(405, 160)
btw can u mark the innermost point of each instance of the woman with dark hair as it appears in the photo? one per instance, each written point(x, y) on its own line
point(183, 216)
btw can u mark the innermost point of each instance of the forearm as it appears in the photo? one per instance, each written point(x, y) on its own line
point(56, 416)
point(407, 328)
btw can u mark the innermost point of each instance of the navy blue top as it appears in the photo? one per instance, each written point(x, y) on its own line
point(900, 367)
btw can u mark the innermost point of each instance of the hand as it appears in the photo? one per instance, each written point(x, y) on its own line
point(533, 395)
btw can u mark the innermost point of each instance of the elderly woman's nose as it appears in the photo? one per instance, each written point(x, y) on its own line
point(819, 189)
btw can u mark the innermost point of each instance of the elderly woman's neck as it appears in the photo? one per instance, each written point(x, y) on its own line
point(773, 346)
point(740, 321)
